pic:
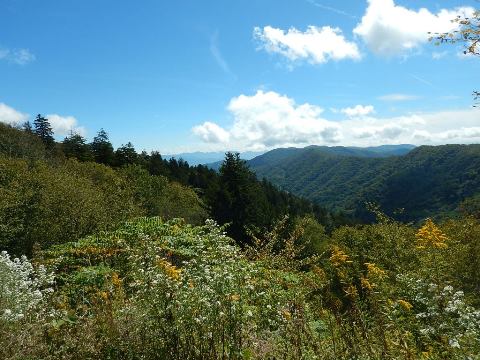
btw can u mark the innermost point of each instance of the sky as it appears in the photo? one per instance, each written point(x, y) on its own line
point(214, 75)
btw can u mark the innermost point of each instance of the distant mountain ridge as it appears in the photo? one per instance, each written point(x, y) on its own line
point(280, 153)
point(204, 158)
point(422, 180)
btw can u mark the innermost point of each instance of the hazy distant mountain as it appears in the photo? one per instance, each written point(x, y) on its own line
point(203, 158)
point(369, 152)
point(425, 180)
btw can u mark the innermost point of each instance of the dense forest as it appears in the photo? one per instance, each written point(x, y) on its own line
point(53, 192)
point(428, 181)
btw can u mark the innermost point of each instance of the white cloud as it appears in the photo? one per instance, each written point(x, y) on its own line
point(17, 56)
point(358, 110)
point(398, 97)
point(63, 125)
point(211, 133)
point(316, 45)
point(389, 29)
point(269, 120)
point(10, 116)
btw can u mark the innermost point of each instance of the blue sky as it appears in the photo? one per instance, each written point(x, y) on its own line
point(214, 75)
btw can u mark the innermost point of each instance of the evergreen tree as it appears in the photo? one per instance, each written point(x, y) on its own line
point(74, 146)
point(240, 198)
point(156, 165)
point(27, 127)
point(44, 131)
point(102, 148)
point(126, 155)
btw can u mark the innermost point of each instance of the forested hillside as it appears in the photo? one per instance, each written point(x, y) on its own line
point(427, 181)
point(55, 192)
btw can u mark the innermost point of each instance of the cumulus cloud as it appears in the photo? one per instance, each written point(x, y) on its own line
point(358, 110)
point(316, 45)
point(17, 56)
point(10, 116)
point(211, 133)
point(389, 29)
point(63, 125)
point(267, 120)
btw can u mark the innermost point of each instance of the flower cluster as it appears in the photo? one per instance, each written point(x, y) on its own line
point(22, 287)
point(429, 235)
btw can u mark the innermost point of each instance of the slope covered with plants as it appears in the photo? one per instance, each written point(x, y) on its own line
point(167, 290)
point(53, 192)
point(428, 181)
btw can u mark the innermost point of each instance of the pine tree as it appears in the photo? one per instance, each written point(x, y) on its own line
point(156, 165)
point(240, 198)
point(44, 131)
point(74, 146)
point(102, 148)
point(126, 155)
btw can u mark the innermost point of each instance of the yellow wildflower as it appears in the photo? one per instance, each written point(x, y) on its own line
point(116, 281)
point(405, 304)
point(366, 284)
point(104, 295)
point(170, 270)
point(429, 235)
point(286, 314)
point(374, 270)
point(234, 297)
point(338, 257)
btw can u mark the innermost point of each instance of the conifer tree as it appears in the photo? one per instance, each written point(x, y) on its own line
point(44, 131)
point(102, 148)
point(75, 146)
point(240, 198)
point(126, 155)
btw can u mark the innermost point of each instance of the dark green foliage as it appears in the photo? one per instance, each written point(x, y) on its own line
point(156, 165)
point(126, 155)
point(471, 206)
point(428, 181)
point(102, 149)
point(20, 144)
point(75, 146)
point(44, 131)
point(240, 198)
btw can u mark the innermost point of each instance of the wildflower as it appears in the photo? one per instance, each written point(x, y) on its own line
point(374, 270)
point(170, 270)
point(234, 297)
point(366, 284)
point(338, 257)
point(116, 280)
point(405, 304)
point(454, 343)
point(429, 235)
point(286, 314)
